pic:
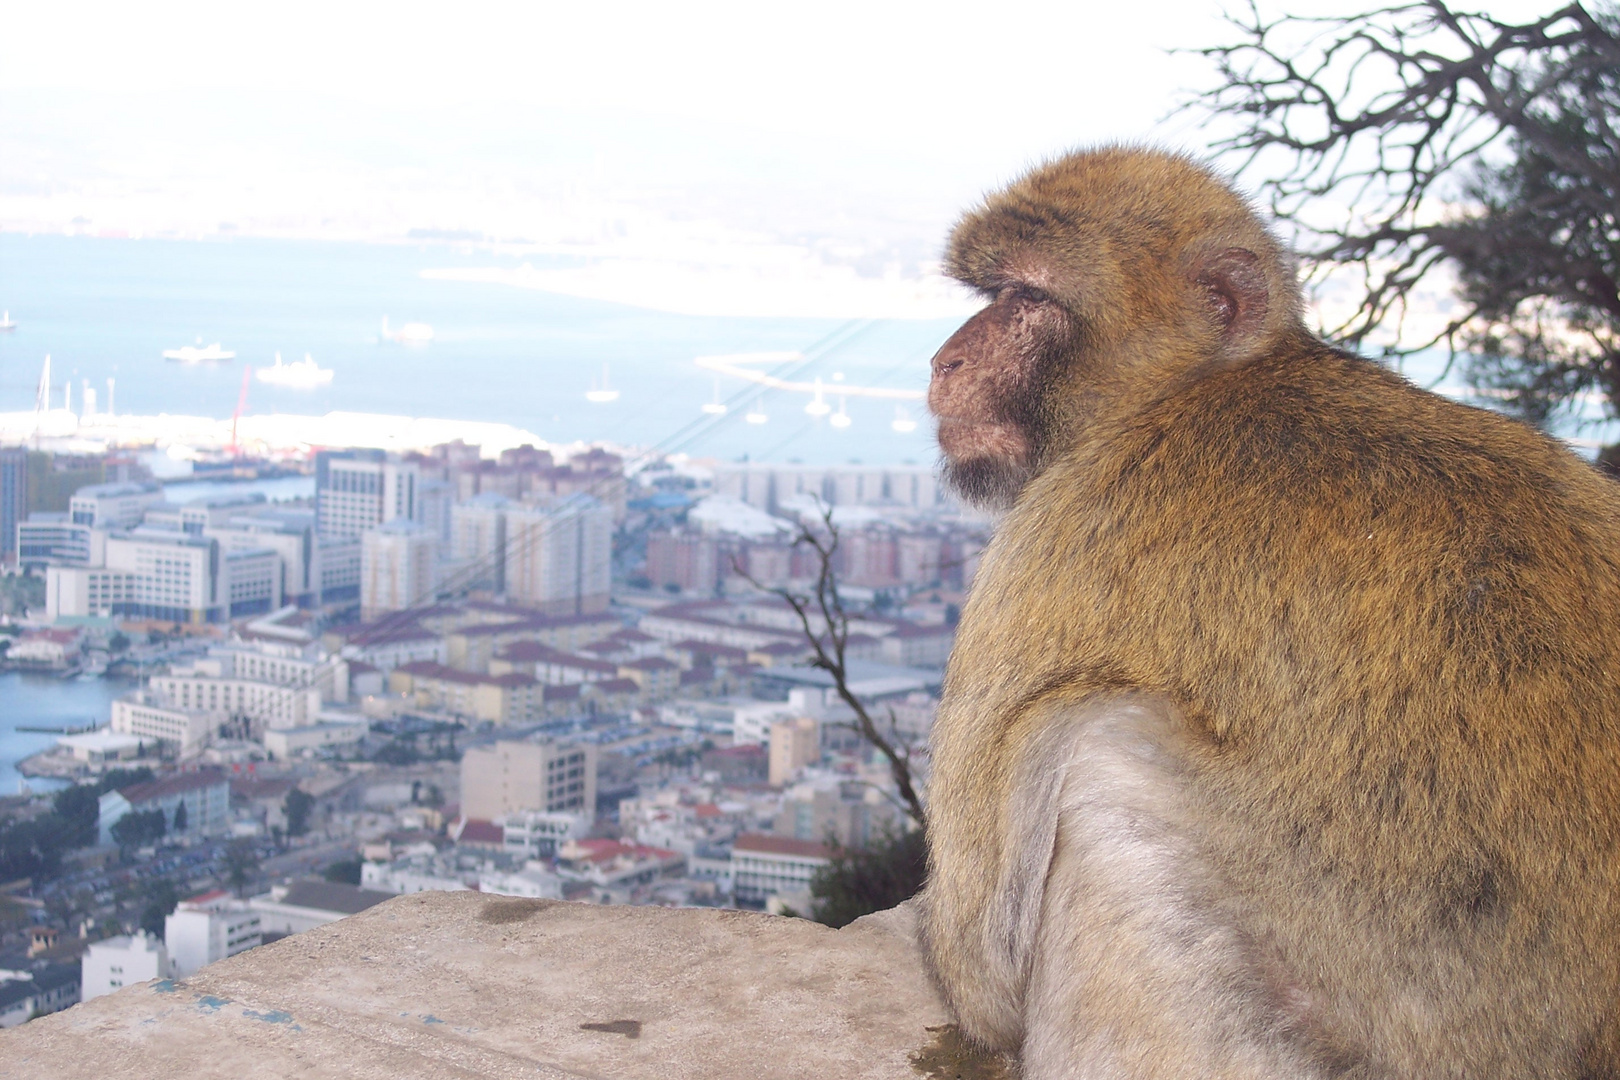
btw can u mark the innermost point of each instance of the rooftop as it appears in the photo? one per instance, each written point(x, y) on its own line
point(178, 784)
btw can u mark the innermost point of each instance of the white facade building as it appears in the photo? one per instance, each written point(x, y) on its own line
point(114, 506)
point(207, 928)
point(122, 961)
point(357, 490)
point(141, 715)
point(764, 866)
point(537, 834)
point(397, 567)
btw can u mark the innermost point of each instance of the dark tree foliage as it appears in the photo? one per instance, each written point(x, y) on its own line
point(297, 806)
point(31, 849)
point(859, 881)
point(1418, 137)
point(180, 819)
point(139, 828)
point(344, 872)
point(161, 898)
point(79, 806)
point(241, 863)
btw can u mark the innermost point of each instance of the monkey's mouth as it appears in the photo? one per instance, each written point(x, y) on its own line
point(963, 439)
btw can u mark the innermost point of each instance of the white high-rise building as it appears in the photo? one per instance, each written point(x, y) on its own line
point(397, 567)
point(356, 490)
point(478, 539)
point(559, 556)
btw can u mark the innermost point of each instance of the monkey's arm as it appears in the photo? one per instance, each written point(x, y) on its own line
point(1096, 922)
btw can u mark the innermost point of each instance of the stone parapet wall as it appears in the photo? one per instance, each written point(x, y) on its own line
point(464, 985)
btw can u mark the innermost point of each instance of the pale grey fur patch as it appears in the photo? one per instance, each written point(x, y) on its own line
point(1133, 966)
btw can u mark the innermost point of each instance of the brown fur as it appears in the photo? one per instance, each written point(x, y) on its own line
point(1352, 644)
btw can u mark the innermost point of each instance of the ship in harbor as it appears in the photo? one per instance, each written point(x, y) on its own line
point(412, 333)
point(199, 354)
point(6, 322)
point(302, 374)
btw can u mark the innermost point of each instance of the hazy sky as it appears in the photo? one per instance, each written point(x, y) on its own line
point(854, 102)
point(805, 140)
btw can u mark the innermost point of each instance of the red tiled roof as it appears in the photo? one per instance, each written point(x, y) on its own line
point(480, 832)
point(781, 845)
point(178, 784)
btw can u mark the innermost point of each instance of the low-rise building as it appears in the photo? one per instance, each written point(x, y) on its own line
point(765, 866)
point(122, 961)
point(304, 905)
point(205, 794)
point(46, 648)
point(508, 699)
point(209, 927)
point(611, 863)
point(538, 834)
point(143, 716)
point(35, 987)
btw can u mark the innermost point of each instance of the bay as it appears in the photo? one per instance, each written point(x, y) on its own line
point(105, 307)
point(30, 700)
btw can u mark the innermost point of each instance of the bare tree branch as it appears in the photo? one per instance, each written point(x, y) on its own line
point(1416, 138)
point(828, 652)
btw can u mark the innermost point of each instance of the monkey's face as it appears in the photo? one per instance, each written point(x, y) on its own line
point(990, 381)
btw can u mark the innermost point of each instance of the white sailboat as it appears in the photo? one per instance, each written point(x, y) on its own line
point(902, 422)
point(816, 406)
point(715, 407)
point(6, 322)
point(757, 414)
point(601, 395)
point(839, 419)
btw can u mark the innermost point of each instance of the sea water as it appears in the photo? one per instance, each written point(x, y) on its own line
point(46, 701)
point(109, 308)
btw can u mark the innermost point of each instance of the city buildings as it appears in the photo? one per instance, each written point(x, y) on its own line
point(794, 743)
point(539, 774)
point(356, 490)
point(205, 795)
point(114, 506)
point(303, 905)
point(398, 567)
point(209, 927)
point(558, 557)
point(765, 866)
point(13, 499)
point(121, 961)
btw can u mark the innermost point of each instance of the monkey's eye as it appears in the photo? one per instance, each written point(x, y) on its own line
point(1029, 294)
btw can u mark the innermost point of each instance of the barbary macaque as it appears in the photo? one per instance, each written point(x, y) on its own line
point(1282, 732)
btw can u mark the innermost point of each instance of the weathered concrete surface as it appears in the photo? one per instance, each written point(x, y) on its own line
point(463, 985)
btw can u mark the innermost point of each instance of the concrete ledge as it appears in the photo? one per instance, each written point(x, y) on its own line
point(465, 985)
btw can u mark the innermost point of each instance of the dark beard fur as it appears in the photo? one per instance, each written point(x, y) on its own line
point(986, 482)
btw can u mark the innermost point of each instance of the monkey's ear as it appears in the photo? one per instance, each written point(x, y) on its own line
point(1234, 284)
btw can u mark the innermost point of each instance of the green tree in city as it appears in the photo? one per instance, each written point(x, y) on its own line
point(297, 807)
point(344, 872)
point(180, 818)
point(138, 828)
point(161, 898)
point(241, 863)
point(859, 881)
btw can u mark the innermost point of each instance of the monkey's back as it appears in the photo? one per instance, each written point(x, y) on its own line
point(1389, 621)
